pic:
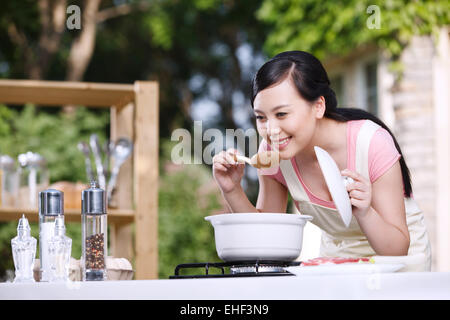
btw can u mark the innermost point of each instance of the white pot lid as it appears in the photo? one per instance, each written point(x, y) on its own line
point(336, 184)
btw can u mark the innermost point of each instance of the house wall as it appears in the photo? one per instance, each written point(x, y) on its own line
point(412, 99)
point(441, 101)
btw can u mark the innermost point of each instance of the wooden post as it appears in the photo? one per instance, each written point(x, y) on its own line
point(121, 235)
point(146, 175)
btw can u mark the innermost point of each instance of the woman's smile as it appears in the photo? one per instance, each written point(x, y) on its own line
point(280, 144)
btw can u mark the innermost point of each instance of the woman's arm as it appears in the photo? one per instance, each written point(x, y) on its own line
point(380, 211)
point(238, 202)
point(272, 196)
point(228, 173)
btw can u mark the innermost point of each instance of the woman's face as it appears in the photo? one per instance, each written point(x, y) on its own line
point(284, 119)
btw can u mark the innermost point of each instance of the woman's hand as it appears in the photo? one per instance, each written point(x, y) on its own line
point(360, 192)
point(227, 172)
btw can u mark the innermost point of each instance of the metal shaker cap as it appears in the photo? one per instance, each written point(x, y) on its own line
point(93, 200)
point(51, 202)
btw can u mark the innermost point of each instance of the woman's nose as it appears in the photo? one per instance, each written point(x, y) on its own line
point(273, 130)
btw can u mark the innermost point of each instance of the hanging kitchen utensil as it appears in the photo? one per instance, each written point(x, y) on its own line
point(108, 148)
point(84, 148)
point(95, 147)
point(121, 152)
point(33, 178)
point(336, 184)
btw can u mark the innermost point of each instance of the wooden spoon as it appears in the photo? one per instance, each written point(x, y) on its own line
point(261, 160)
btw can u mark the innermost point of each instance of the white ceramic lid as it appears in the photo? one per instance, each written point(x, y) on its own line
point(335, 183)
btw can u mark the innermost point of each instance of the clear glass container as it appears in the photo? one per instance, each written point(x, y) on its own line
point(33, 178)
point(24, 252)
point(9, 181)
point(94, 234)
point(51, 206)
point(59, 251)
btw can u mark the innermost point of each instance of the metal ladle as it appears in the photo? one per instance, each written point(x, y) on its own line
point(84, 148)
point(121, 152)
point(95, 147)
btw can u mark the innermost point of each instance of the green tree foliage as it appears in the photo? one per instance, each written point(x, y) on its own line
point(174, 42)
point(185, 198)
point(337, 27)
point(53, 134)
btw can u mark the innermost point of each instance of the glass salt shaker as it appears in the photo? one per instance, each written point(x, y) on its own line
point(94, 233)
point(51, 206)
point(24, 251)
point(59, 250)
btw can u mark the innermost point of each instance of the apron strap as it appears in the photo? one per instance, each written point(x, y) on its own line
point(365, 135)
point(293, 183)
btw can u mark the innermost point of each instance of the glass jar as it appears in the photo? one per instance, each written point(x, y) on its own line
point(94, 233)
point(51, 206)
point(33, 178)
point(9, 181)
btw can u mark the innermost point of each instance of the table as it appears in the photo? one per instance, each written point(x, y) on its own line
point(400, 285)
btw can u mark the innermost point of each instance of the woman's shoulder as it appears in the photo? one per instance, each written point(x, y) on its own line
point(380, 135)
point(382, 151)
point(355, 125)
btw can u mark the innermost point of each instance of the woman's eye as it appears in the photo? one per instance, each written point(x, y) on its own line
point(281, 114)
point(259, 117)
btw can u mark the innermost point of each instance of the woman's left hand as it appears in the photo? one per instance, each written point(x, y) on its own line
point(360, 192)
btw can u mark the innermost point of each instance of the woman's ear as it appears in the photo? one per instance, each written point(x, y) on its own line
point(320, 107)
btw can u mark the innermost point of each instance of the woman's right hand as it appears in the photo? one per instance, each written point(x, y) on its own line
point(227, 172)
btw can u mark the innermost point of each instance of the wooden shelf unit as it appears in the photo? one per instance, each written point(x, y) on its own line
point(115, 216)
point(134, 114)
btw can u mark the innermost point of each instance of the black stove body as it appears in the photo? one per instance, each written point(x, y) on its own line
point(258, 268)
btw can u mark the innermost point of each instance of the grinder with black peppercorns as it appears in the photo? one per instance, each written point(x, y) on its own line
point(94, 233)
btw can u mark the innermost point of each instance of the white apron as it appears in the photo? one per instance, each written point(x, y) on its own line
point(340, 241)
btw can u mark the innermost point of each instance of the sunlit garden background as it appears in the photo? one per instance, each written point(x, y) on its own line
point(203, 54)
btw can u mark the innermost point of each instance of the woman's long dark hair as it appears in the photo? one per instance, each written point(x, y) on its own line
point(312, 81)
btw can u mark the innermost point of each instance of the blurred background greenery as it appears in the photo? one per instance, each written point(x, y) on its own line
point(203, 53)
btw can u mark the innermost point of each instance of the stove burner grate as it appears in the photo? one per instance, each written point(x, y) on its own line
point(256, 268)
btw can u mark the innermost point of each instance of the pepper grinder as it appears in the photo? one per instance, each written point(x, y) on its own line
point(24, 252)
point(51, 206)
point(59, 250)
point(94, 233)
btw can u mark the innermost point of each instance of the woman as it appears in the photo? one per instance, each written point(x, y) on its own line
point(295, 110)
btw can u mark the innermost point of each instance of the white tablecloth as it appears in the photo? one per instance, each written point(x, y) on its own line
point(420, 285)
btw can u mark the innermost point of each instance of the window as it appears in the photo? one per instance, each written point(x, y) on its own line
point(337, 84)
point(371, 88)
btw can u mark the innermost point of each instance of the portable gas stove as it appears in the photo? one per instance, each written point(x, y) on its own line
point(258, 268)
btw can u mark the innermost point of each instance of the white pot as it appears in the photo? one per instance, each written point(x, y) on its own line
point(258, 236)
